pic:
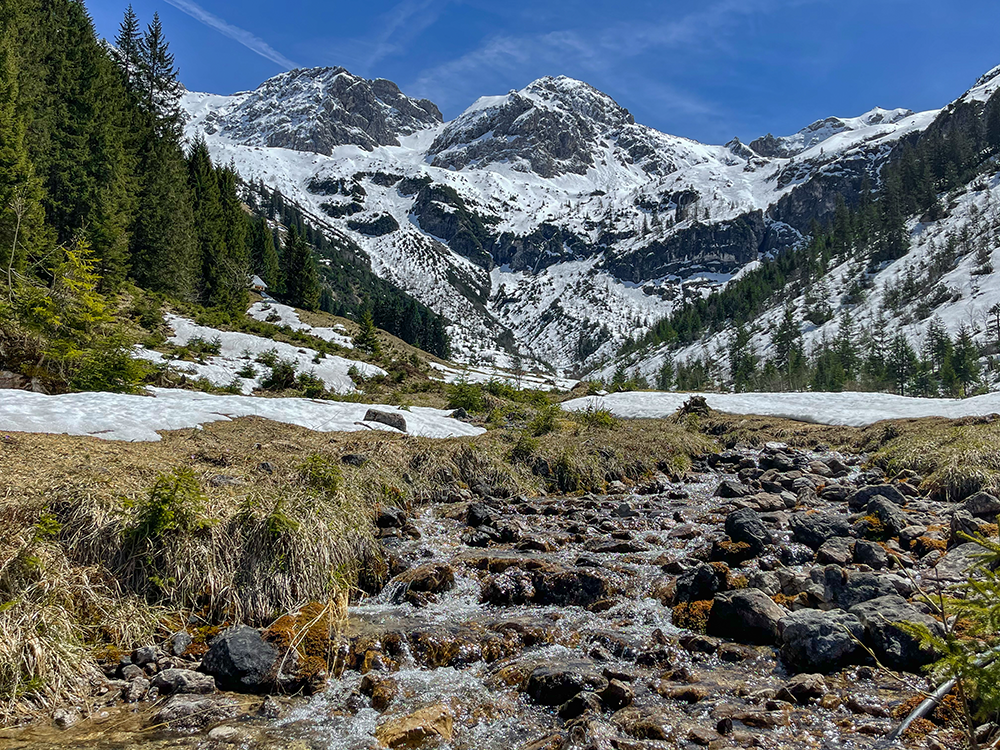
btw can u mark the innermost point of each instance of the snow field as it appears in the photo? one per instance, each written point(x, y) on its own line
point(849, 409)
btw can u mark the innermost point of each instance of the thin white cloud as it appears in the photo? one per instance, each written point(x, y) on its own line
point(244, 37)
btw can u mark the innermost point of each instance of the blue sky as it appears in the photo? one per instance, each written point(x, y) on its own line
point(706, 70)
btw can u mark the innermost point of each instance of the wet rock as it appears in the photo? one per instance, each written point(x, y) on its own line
point(894, 647)
point(836, 551)
point(813, 529)
point(556, 741)
point(803, 689)
point(701, 582)
point(479, 514)
point(617, 695)
point(981, 505)
point(644, 723)
point(730, 489)
point(600, 546)
point(703, 736)
point(815, 641)
point(765, 580)
point(239, 659)
point(860, 499)
point(391, 419)
point(64, 718)
point(433, 722)
point(747, 527)
point(553, 685)
point(192, 712)
point(171, 681)
point(892, 517)
point(381, 690)
point(512, 587)
point(871, 554)
point(836, 493)
point(431, 578)
point(579, 705)
point(745, 616)
point(138, 688)
point(390, 517)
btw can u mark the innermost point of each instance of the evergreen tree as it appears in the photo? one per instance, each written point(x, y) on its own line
point(22, 219)
point(128, 51)
point(207, 207)
point(902, 363)
point(665, 375)
point(742, 359)
point(301, 284)
point(366, 339)
point(965, 361)
point(264, 257)
point(160, 86)
point(789, 355)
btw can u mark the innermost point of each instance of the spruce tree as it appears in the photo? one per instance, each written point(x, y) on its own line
point(902, 363)
point(366, 339)
point(236, 263)
point(301, 283)
point(206, 204)
point(160, 89)
point(22, 229)
point(128, 53)
point(742, 359)
point(263, 255)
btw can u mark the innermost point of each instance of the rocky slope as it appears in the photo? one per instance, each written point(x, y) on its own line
point(545, 221)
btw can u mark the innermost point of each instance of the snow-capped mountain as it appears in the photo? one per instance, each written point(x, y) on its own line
point(545, 221)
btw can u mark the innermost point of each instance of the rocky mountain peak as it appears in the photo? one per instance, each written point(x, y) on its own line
point(814, 134)
point(317, 109)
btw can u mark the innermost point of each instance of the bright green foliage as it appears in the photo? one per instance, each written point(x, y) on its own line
point(320, 474)
point(175, 504)
point(466, 395)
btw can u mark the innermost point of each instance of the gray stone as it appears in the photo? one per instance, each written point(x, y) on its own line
point(982, 505)
point(554, 685)
point(745, 616)
point(803, 688)
point(815, 641)
point(954, 566)
point(860, 499)
point(391, 419)
point(171, 681)
point(239, 659)
point(699, 583)
point(893, 518)
point(813, 529)
point(190, 712)
point(746, 526)
point(964, 524)
point(871, 554)
point(845, 589)
point(894, 647)
point(179, 643)
point(836, 551)
point(144, 655)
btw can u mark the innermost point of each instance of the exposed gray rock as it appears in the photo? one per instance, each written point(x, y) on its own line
point(813, 529)
point(171, 681)
point(745, 616)
point(871, 554)
point(860, 499)
point(746, 526)
point(554, 685)
point(954, 567)
point(239, 659)
point(389, 418)
point(982, 505)
point(894, 647)
point(893, 518)
point(815, 641)
point(836, 551)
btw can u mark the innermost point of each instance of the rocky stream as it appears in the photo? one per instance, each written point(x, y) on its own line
point(556, 622)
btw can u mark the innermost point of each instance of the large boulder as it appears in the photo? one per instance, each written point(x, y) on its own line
point(745, 616)
point(815, 641)
point(894, 647)
point(845, 589)
point(836, 551)
point(860, 499)
point(954, 567)
point(813, 529)
point(746, 526)
point(982, 505)
point(239, 659)
point(389, 418)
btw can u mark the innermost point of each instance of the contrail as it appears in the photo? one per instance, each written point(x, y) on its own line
point(242, 36)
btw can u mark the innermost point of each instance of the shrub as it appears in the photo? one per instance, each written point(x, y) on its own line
point(544, 421)
point(600, 418)
point(247, 371)
point(465, 395)
point(311, 385)
point(175, 503)
point(282, 376)
point(320, 474)
point(268, 358)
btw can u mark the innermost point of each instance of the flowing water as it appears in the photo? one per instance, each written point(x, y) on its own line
point(473, 658)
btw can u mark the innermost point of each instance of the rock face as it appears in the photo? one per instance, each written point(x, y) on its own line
point(239, 659)
point(815, 641)
point(318, 109)
point(745, 616)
